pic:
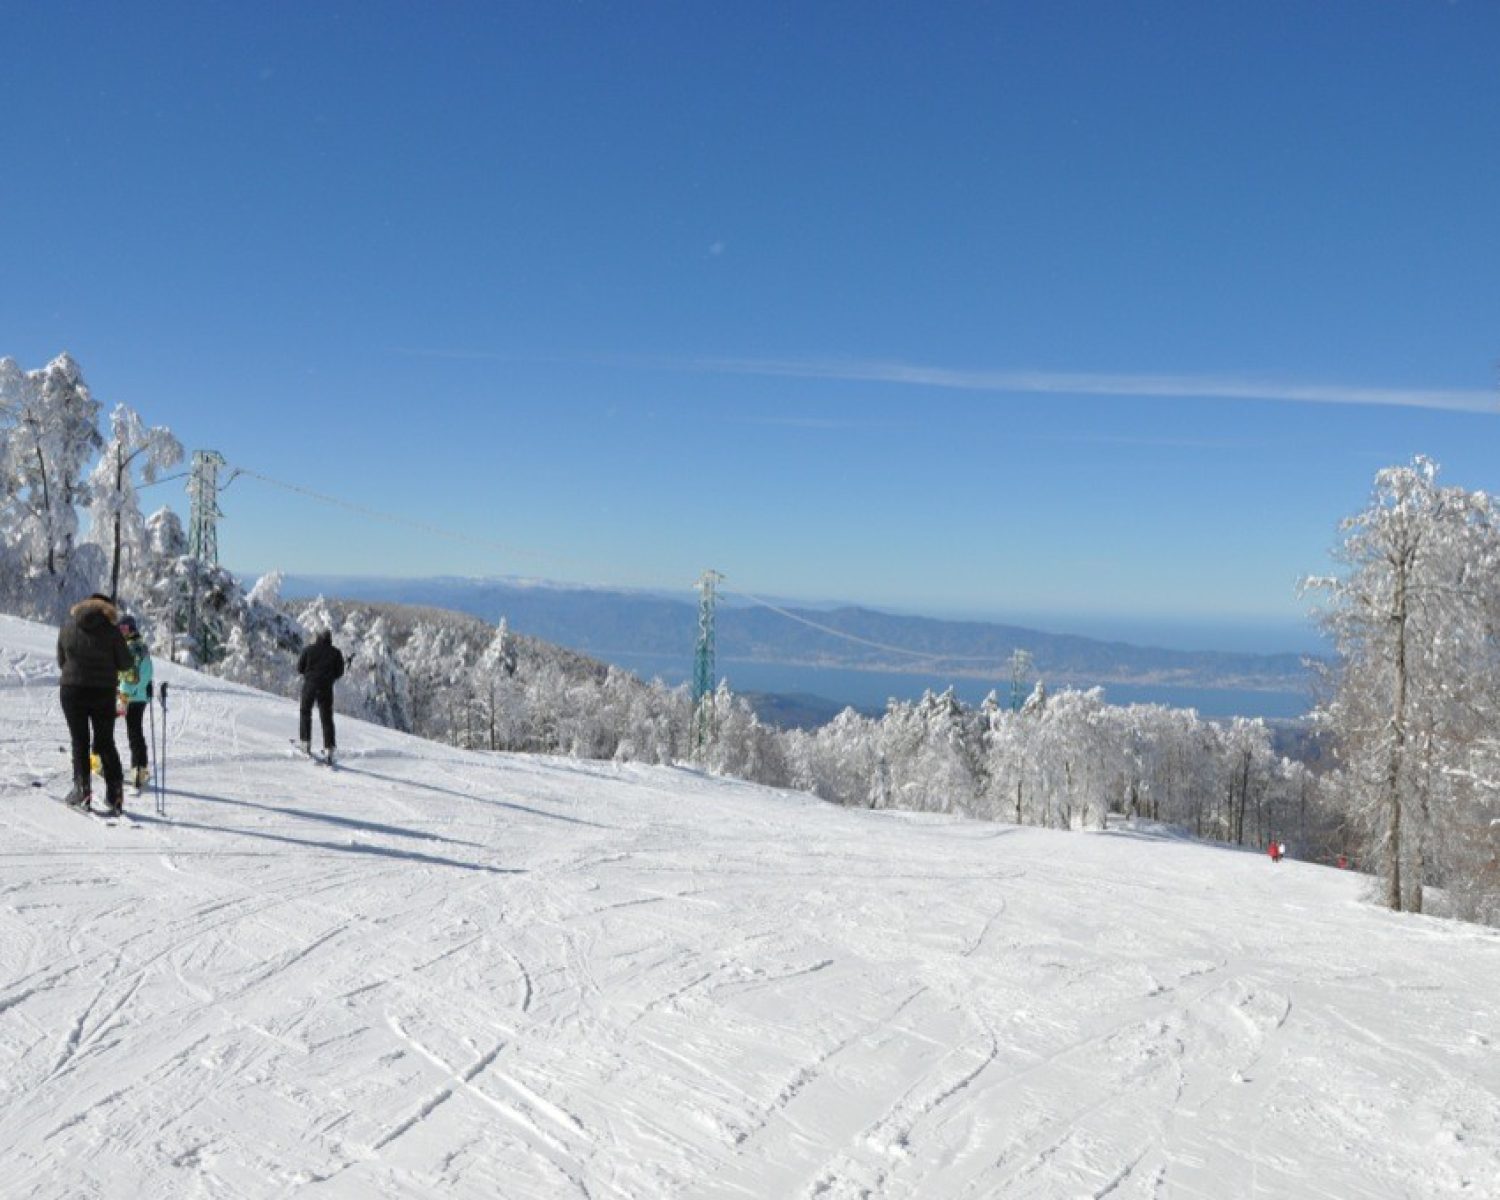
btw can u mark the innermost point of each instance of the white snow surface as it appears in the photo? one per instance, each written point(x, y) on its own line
point(440, 973)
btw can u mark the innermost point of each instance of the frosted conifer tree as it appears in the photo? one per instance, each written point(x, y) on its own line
point(1073, 754)
point(495, 688)
point(51, 435)
point(436, 662)
point(117, 525)
point(262, 640)
point(376, 683)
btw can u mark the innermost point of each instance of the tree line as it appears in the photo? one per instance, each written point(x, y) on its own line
point(1409, 786)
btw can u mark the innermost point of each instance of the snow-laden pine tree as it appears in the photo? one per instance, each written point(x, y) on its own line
point(496, 691)
point(742, 747)
point(841, 761)
point(116, 523)
point(657, 723)
point(436, 658)
point(261, 640)
point(375, 686)
point(1006, 739)
point(160, 595)
point(51, 434)
point(1074, 757)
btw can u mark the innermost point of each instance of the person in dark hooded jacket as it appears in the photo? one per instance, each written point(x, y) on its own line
point(92, 652)
point(320, 664)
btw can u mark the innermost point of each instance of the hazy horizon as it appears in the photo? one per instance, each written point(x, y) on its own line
point(1196, 632)
point(1006, 310)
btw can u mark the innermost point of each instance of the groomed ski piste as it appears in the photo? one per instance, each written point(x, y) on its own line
point(437, 973)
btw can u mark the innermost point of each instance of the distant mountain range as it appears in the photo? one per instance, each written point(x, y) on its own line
point(623, 625)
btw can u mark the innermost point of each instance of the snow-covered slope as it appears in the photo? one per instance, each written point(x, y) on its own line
point(438, 973)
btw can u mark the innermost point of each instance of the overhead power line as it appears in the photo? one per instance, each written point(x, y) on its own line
point(514, 551)
point(374, 514)
point(923, 655)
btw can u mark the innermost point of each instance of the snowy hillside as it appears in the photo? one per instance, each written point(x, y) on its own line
point(436, 973)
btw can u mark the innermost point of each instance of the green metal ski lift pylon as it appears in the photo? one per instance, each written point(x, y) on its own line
point(203, 534)
point(703, 661)
point(203, 492)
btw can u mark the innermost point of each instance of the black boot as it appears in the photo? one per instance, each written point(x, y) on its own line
point(81, 794)
point(114, 797)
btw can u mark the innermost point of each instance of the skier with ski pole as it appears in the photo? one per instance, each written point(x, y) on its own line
point(135, 697)
point(91, 652)
point(320, 665)
point(155, 756)
point(161, 763)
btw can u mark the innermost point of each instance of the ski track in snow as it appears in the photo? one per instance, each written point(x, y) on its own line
point(434, 973)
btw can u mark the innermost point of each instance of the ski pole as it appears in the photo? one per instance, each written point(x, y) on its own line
point(163, 777)
point(155, 758)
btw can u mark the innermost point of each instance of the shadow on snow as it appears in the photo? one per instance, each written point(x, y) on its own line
point(478, 799)
point(412, 856)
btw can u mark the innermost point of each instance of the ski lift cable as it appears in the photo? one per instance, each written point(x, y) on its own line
point(164, 479)
point(919, 655)
point(428, 527)
point(523, 552)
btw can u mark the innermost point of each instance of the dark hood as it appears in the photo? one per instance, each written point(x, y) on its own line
point(94, 614)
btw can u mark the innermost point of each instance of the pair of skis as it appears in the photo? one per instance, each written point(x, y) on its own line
point(158, 754)
point(325, 759)
point(107, 817)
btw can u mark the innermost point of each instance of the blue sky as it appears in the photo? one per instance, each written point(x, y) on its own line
point(1074, 309)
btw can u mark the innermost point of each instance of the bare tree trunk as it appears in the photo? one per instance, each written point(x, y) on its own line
point(1302, 811)
point(1398, 739)
point(1239, 816)
point(1424, 803)
point(41, 464)
point(114, 569)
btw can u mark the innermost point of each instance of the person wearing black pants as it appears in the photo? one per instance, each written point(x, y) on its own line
point(319, 665)
point(135, 695)
point(92, 653)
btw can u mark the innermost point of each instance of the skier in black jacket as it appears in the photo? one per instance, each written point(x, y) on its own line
point(319, 665)
point(92, 652)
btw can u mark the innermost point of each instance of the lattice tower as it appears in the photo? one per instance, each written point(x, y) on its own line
point(203, 491)
point(703, 659)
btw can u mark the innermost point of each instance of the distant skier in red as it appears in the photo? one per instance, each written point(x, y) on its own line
point(1274, 850)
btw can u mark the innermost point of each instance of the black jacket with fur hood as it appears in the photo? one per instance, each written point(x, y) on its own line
point(90, 650)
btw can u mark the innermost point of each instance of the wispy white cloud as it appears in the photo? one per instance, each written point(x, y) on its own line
point(1171, 443)
point(1207, 387)
point(1067, 383)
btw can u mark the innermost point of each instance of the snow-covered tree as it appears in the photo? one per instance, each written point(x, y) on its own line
point(435, 658)
point(1075, 758)
point(262, 640)
point(375, 685)
point(842, 761)
point(51, 434)
point(742, 747)
point(1410, 617)
point(495, 688)
point(116, 521)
